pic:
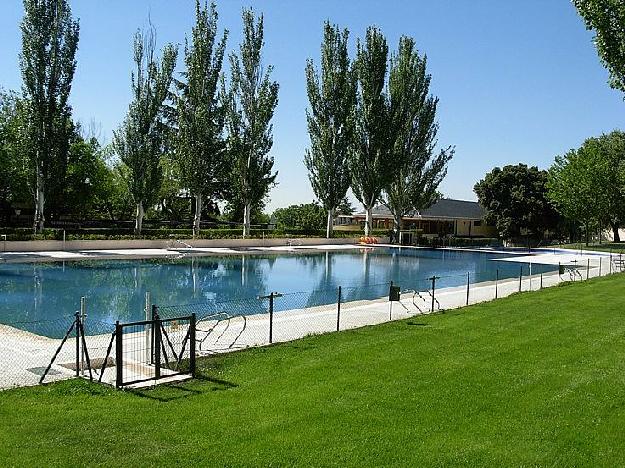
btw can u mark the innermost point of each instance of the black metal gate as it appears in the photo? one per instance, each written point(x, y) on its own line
point(155, 349)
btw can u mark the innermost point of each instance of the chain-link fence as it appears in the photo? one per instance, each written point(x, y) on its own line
point(59, 349)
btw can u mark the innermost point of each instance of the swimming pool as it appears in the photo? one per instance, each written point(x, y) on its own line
point(115, 289)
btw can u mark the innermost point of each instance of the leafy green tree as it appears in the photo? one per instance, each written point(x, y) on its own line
point(48, 63)
point(332, 97)
point(141, 139)
point(252, 100)
point(200, 145)
point(588, 184)
point(418, 169)
point(606, 18)
point(307, 217)
point(13, 163)
point(515, 199)
point(371, 158)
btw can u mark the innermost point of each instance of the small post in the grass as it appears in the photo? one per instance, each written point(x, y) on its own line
point(610, 262)
point(496, 282)
point(588, 269)
point(520, 277)
point(541, 281)
point(468, 280)
point(338, 310)
point(599, 266)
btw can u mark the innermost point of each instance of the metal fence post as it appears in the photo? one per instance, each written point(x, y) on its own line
point(192, 346)
point(270, 318)
point(468, 280)
point(599, 266)
point(520, 278)
point(433, 278)
point(119, 375)
point(338, 310)
point(610, 262)
point(147, 330)
point(496, 282)
point(77, 318)
point(157, 345)
point(588, 269)
point(541, 281)
point(83, 316)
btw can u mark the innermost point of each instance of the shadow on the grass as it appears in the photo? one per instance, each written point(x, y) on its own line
point(171, 392)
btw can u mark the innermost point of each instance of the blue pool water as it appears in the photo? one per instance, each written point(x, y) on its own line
point(115, 289)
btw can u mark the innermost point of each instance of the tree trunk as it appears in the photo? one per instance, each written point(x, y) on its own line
point(329, 227)
point(39, 204)
point(139, 218)
point(616, 235)
point(368, 220)
point(247, 219)
point(198, 215)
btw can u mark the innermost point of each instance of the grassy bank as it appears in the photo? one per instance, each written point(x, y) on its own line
point(537, 379)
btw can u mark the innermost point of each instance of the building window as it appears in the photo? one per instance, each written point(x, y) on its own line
point(477, 223)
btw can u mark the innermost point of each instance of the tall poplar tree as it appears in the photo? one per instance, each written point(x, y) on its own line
point(332, 97)
point(252, 100)
point(371, 163)
point(140, 141)
point(48, 62)
point(200, 143)
point(418, 170)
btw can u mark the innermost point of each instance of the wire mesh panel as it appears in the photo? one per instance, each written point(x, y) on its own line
point(154, 349)
point(26, 349)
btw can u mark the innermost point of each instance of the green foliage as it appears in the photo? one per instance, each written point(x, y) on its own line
point(252, 100)
point(141, 139)
point(200, 147)
point(515, 199)
point(332, 97)
point(307, 217)
point(606, 18)
point(48, 63)
point(588, 184)
point(371, 162)
point(418, 171)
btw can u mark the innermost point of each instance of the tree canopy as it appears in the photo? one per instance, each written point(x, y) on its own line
point(515, 199)
point(606, 18)
point(200, 143)
point(332, 97)
point(48, 62)
point(588, 184)
point(418, 169)
point(252, 100)
point(141, 139)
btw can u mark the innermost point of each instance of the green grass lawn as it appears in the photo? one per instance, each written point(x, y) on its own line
point(537, 379)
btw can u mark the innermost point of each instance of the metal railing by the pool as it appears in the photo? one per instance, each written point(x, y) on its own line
point(164, 346)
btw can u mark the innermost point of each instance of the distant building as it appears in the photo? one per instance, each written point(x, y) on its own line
point(447, 217)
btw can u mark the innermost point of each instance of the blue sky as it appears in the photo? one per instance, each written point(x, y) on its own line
point(518, 81)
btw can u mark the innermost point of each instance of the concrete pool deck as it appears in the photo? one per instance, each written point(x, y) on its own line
point(24, 355)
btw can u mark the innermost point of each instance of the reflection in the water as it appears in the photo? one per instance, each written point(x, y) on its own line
point(115, 290)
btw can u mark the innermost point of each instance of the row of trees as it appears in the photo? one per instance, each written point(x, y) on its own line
point(199, 133)
point(583, 191)
point(372, 126)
